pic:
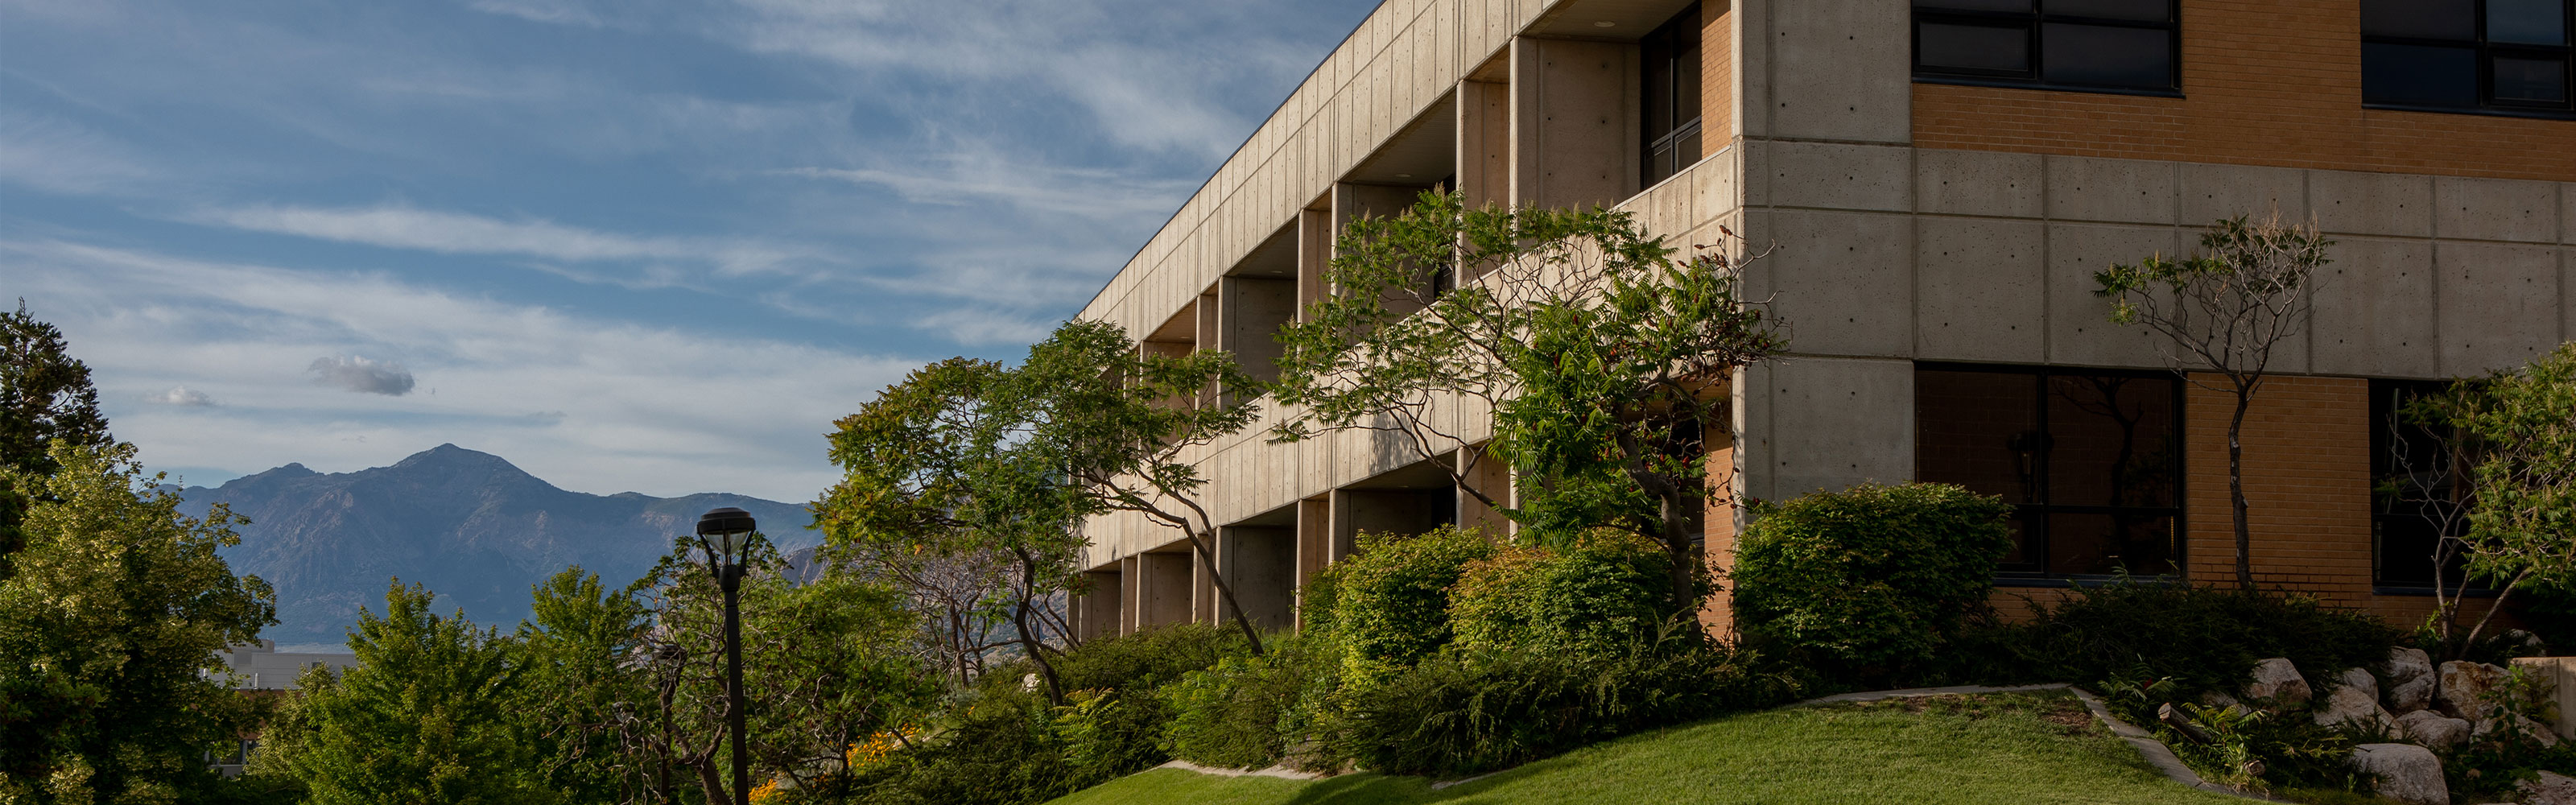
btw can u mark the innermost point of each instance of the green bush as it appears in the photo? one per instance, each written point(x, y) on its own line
point(2204, 638)
point(1871, 581)
point(1391, 601)
point(1246, 711)
point(1608, 590)
point(1142, 661)
point(1471, 710)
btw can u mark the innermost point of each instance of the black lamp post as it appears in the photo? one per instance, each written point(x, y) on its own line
point(725, 535)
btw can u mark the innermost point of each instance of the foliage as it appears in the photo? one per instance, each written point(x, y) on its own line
point(2236, 746)
point(1470, 710)
point(569, 681)
point(2517, 430)
point(1869, 581)
point(1391, 601)
point(2204, 638)
point(2226, 309)
point(2523, 703)
point(108, 632)
point(1247, 712)
point(45, 399)
point(426, 716)
point(1596, 596)
point(1596, 349)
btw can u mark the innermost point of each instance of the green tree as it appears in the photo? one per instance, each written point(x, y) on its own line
point(2226, 310)
point(110, 689)
point(429, 715)
point(2516, 433)
point(1603, 357)
point(45, 398)
point(572, 684)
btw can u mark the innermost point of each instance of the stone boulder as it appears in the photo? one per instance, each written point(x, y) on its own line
point(2462, 683)
point(2550, 788)
point(2356, 706)
point(2410, 679)
point(2433, 730)
point(2403, 772)
point(2361, 679)
point(2533, 731)
point(2277, 681)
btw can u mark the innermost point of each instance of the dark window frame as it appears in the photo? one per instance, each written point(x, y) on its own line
point(2387, 434)
point(2033, 22)
point(2034, 515)
point(2484, 53)
point(1663, 44)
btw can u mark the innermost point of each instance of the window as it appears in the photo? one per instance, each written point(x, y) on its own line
point(2115, 45)
point(1672, 96)
point(2090, 459)
point(2416, 503)
point(2467, 55)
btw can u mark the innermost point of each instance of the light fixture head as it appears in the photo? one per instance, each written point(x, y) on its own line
point(1605, 24)
point(727, 527)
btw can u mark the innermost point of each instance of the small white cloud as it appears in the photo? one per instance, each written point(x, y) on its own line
point(358, 373)
point(556, 12)
point(181, 395)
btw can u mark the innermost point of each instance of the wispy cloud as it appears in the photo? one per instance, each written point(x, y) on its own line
point(48, 153)
point(404, 227)
point(557, 12)
point(181, 396)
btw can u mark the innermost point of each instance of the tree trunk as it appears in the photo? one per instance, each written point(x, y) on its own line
point(1204, 547)
point(2236, 487)
point(1028, 640)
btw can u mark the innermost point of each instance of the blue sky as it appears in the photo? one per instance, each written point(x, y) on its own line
point(627, 244)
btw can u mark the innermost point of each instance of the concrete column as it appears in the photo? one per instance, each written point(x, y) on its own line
point(1575, 132)
point(1167, 585)
point(1485, 142)
point(1314, 547)
point(1251, 311)
point(1314, 251)
point(1260, 563)
point(1205, 606)
point(1493, 477)
point(1096, 614)
point(1131, 599)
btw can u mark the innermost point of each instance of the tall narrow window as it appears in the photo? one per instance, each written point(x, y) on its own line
point(2469, 55)
point(1672, 95)
point(2114, 45)
point(2090, 460)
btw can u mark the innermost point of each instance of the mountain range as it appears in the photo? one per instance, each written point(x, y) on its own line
point(476, 530)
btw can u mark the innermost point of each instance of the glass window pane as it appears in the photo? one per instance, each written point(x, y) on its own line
point(2530, 80)
point(1975, 48)
point(2527, 22)
point(2101, 544)
point(2111, 441)
point(2105, 56)
point(1979, 430)
point(2149, 10)
point(1975, 5)
point(2436, 19)
point(2418, 75)
point(2021, 556)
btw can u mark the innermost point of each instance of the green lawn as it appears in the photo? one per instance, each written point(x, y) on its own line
point(1998, 748)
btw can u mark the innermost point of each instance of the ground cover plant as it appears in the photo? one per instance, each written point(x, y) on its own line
point(2019, 748)
point(2200, 638)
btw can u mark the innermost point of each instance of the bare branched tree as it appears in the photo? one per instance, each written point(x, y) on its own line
point(2226, 311)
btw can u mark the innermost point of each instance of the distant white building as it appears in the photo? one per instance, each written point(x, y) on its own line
point(261, 666)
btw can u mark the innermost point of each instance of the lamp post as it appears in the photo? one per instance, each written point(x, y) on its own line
point(724, 534)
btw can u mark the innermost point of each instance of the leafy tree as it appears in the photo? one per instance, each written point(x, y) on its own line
point(945, 492)
point(2516, 434)
point(1597, 350)
point(571, 683)
point(108, 632)
point(2249, 291)
point(429, 715)
point(45, 398)
point(821, 673)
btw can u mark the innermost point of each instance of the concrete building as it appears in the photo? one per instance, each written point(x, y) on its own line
point(259, 669)
point(1941, 179)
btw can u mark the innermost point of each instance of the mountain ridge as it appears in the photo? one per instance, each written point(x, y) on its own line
point(475, 529)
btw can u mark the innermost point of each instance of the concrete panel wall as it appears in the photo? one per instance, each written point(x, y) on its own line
point(1260, 563)
point(1575, 130)
point(1167, 582)
point(1485, 142)
point(1251, 311)
point(1829, 423)
point(1828, 70)
point(1096, 612)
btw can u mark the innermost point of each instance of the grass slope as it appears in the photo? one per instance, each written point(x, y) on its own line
point(2003, 748)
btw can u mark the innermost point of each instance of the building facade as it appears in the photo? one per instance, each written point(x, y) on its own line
point(1936, 182)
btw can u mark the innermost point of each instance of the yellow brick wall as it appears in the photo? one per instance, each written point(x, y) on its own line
point(1717, 75)
point(2264, 83)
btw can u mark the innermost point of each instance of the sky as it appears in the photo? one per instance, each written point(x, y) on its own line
point(629, 245)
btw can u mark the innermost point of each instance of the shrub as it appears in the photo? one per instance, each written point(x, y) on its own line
point(1391, 601)
point(1608, 590)
point(1873, 579)
point(1246, 711)
point(1474, 709)
point(1142, 661)
point(2205, 638)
